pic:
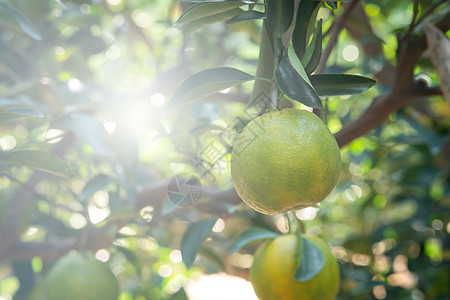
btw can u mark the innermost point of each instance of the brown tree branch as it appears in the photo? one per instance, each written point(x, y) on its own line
point(403, 91)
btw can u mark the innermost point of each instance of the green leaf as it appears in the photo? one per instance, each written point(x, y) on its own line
point(332, 4)
point(202, 22)
point(97, 183)
point(279, 15)
point(311, 262)
point(205, 83)
point(313, 53)
point(202, 10)
point(38, 160)
point(340, 84)
point(180, 295)
point(297, 64)
point(304, 24)
point(246, 16)
point(250, 236)
point(292, 84)
point(91, 131)
point(21, 20)
point(193, 239)
point(19, 113)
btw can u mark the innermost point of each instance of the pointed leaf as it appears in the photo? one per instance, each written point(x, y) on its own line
point(246, 16)
point(38, 160)
point(340, 84)
point(313, 53)
point(311, 262)
point(294, 86)
point(97, 183)
point(193, 239)
point(19, 113)
point(279, 15)
point(91, 131)
point(250, 236)
point(201, 10)
point(297, 64)
point(202, 22)
point(25, 111)
point(21, 20)
point(306, 17)
point(205, 83)
point(180, 295)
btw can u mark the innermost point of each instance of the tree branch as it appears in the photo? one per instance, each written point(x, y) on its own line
point(403, 91)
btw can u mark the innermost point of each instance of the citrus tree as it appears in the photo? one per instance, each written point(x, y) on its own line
point(136, 132)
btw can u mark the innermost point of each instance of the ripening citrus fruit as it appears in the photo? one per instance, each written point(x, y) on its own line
point(285, 160)
point(274, 266)
point(79, 276)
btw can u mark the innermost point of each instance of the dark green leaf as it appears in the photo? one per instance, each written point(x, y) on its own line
point(332, 4)
point(306, 17)
point(313, 53)
point(340, 84)
point(193, 239)
point(180, 295)
point(38, 160)
point(311, 262)
point(202, 10)
point(91, 131)
point(294, 86)
point(202, 22)
point(205, 83)
point(279, 15)
point(21, 20)
point(94, 185)
point(247, 16)
point(250, 236)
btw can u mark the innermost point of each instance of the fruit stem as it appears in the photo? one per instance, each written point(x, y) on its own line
point(295, 225)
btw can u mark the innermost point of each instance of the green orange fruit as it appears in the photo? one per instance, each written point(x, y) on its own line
point(285, 160)
point(274, 267)
point(80, 276)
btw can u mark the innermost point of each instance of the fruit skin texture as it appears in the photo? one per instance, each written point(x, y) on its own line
point(274, 266)
point(79, 276)
point(285, 160)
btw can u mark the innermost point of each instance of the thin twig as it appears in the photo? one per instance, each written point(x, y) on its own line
point(337, 27)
